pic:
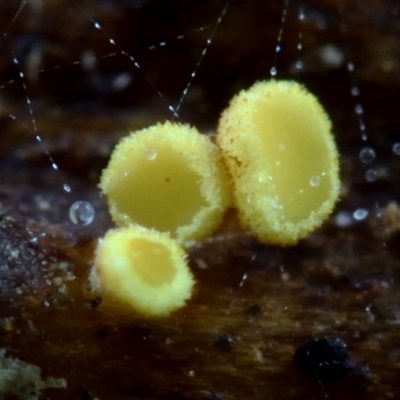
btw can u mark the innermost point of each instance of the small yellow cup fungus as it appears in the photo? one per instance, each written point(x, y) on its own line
point(168, 177)
point(277, 144)
point(144, 269)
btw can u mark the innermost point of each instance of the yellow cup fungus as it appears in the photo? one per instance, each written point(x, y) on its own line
point(144, 269)
point(277, 144)
point(168, 177)
point(167, 184)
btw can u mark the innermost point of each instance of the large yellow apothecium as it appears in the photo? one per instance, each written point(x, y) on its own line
point(277, 143)
point(167, 177)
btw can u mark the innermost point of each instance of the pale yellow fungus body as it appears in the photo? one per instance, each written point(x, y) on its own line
point(277, 143)
point(168, 177)
point(143, 269)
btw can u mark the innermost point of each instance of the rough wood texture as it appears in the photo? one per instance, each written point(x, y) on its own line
point(254, 304)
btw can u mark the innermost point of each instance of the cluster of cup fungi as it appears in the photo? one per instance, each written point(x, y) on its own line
point(274, 159)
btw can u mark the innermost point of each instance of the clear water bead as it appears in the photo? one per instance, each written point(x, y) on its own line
point(273, 71)
point(67, 188)
point(150, 153)
point(367, 155)
point(315, 180)
point(81, 213)
point(360, 214)
point(396, 148)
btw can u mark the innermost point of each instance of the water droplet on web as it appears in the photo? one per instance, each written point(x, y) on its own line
point(355, 91)
point(396, 148)
point(278, 47)
point(150, 153)
point(67, 188)
point(315, 180)
point(358, 109)
point(360, 214)
point(81, 213)
point(350, 66)
point(367, 155)
point(199, 62)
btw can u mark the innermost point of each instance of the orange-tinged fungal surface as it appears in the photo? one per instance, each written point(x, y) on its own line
point(144, 269)
point(168, 177)
point(277, 143)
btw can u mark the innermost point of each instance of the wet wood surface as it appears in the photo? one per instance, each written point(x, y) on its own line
point(254, 304)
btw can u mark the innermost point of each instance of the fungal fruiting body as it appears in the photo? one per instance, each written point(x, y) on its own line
point(144, 269)
point(168, 177)
point(277, 143)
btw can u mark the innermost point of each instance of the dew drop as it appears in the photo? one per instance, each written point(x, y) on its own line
point(331, 56)
point(33, 240)
point(273, 71)
point(360, 214)
point(150, 153)
point(371, 175)
point(81, 213)
point(396, 148)
point(367, 155)
point(358, 109)
point(262, 179)
point(355, 91)
point(350, 66)
point(299, 64)
point(315, 180)
point(343, 219)
point(67, 188)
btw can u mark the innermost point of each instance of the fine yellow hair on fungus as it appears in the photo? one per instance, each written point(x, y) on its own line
point(144, 269)
point(167, 177)
point(277, 143)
